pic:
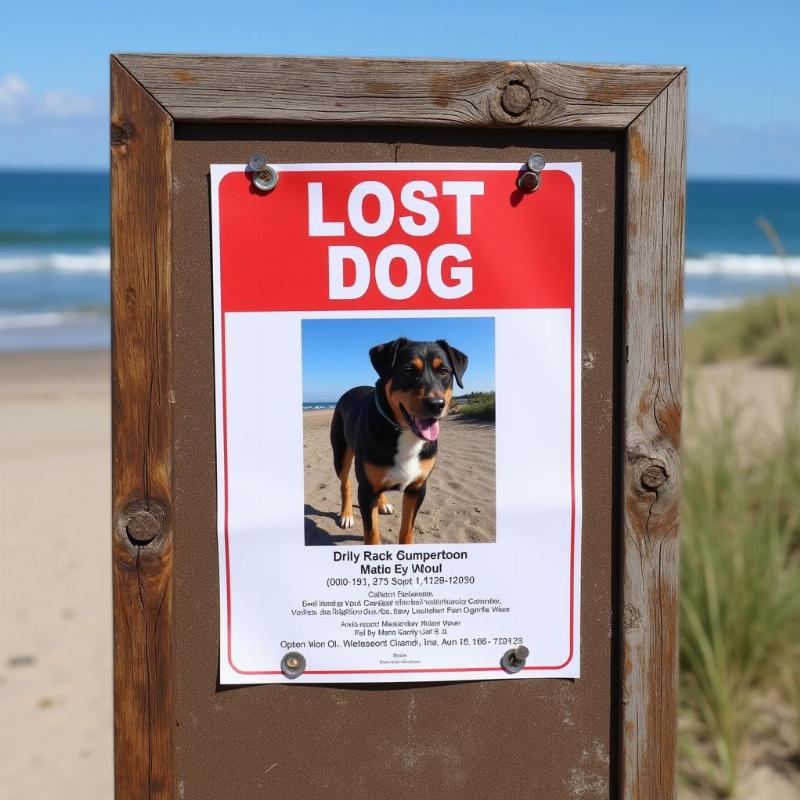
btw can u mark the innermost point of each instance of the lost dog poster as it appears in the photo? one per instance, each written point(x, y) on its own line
point(398, 422)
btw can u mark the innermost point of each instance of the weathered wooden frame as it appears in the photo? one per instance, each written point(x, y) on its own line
point(149, 93)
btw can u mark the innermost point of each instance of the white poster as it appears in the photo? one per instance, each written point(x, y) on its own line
point(398, 422)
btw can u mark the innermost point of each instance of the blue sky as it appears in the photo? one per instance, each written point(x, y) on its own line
point(744, 62)
point(336, 351)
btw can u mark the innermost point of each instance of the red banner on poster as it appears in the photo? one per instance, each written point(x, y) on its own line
point(394, 239)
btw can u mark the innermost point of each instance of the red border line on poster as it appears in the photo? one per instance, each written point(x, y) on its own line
point(244, 296)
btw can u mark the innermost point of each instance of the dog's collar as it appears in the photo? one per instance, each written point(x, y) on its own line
point(383, 413)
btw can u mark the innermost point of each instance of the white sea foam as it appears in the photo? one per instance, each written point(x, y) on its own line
point(733, 264)
point(772, 269)
point(49, 319)
point(95, 261)
point(756, 266)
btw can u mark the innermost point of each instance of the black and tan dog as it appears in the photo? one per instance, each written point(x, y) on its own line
point(390, 430)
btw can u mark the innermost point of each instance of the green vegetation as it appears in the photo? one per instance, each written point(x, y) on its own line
point(477, 405)
point(766, 329)
point(740, 581)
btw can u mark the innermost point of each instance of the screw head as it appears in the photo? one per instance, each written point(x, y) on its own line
point(521, 653)
point(257, 162)
point(265, 180)
point(293, 664)
point(514, 660)
point(536, 162)
point(528, 182)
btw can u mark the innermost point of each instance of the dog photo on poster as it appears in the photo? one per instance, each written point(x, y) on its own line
point(413, 417)
point(398, 422)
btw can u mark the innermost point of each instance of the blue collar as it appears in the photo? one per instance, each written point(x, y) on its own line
point(383, 413)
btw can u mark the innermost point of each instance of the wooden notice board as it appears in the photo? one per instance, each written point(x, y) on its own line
point(178, 732)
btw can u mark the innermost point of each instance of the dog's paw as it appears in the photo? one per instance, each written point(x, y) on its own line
point(346, 521)
point(386, 508)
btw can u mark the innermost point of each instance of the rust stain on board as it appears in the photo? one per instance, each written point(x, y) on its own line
point(636, 508)
point(644, 409)
point(639, 154)
point(445, 85)
point(185, 76)
point(475, 78)
point(628, 666)
point(465, 80)
point(669, 420)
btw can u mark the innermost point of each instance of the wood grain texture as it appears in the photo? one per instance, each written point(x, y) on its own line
point(398, 92)
point(654, 312)
point(141, 145)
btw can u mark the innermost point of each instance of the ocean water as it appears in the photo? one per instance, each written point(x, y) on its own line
point(54, 261)
point(729, 254)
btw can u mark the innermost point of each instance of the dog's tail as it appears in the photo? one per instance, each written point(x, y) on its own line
point(338, 441)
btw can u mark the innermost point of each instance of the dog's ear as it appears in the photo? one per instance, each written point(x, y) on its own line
point(383, 356)
point(458, 360)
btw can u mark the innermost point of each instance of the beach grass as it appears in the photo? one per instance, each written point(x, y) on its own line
point(740, 555)
point(478, 405)
point(766, 329)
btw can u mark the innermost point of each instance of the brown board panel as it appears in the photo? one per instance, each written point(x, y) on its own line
point(656, 173)
point(356, 91)
point(141, 248)
point(549, 738)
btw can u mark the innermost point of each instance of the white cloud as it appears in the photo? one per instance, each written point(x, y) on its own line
point(67, 105)
point(19, 104)
point(13, 93)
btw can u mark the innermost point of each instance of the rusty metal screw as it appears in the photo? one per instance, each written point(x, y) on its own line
point(514, 660)
point(293, 664)
point(264, 177)
point(528, 182)
point(265, 180)
point(530, 179)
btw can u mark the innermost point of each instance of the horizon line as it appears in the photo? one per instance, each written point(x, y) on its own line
point(105, 171)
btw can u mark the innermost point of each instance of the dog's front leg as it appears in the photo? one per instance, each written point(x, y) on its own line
point(368, 503)
point(412, 500)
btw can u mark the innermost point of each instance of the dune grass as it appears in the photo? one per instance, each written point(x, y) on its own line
point(740, 556)
point(766, 329)
point(478, 405)
point(740, 584)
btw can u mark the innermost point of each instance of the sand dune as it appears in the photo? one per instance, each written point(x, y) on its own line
point(55, 595)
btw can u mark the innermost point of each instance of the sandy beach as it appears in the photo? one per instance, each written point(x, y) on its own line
point(460, 501)
point(756, 395)
point(55, 644)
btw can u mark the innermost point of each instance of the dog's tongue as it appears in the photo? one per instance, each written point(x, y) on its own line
point(428, 428)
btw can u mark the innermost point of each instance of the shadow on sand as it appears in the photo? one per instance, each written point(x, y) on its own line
point(315, 535)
